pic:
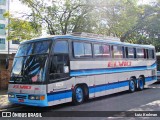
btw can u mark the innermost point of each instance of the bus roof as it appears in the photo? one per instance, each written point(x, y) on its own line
point(53, 37)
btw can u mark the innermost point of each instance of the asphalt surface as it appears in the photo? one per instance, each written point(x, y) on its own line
point(146, 100)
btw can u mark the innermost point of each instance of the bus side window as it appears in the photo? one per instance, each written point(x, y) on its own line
point(106, 51)
point(82, 50)
point(59, 60)
point(130, 52)
point(151, 54)
point(98, 50)
point(117, 52)
point(140, 53)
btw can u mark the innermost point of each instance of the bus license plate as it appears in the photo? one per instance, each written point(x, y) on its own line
point(20, 100)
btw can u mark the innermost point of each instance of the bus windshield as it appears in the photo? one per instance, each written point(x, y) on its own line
point(30, 62)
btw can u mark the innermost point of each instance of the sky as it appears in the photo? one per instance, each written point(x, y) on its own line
point(16, 6)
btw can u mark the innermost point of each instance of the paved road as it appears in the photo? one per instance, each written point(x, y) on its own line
point(146, 100)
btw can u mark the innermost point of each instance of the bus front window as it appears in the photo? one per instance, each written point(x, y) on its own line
point(30, 63)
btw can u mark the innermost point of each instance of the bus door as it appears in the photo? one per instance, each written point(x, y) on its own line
point(59, 66)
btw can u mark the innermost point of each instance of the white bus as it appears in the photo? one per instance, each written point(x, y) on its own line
point(74, 68)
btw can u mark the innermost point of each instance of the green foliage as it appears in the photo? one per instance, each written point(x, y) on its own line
point(21, 29)
point(122, 18)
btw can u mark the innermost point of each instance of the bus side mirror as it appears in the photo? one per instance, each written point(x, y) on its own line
point(66, 69)
point(7, 63)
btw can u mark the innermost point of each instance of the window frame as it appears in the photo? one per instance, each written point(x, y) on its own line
point(84, 42)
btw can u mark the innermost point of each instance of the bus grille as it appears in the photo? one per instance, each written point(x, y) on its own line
point(21, 96)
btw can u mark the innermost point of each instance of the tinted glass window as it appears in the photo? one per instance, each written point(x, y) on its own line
point(17, 66)
point(82, 49)
point(151, 54)
point(61, 47)
point(130, 52)
point(78, 49)
point(146, 53)
point(58, 62)
point(29, 69)
point(101, 50)
point(106, 51)
point(41, 47)
point(98, 50)
point(140, 53)
point(87, 49)
point(117, 52)
point(24, 49)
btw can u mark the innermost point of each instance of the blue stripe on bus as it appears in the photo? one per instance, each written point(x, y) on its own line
point(110, 70)
point(93, 89)
point(59, 95)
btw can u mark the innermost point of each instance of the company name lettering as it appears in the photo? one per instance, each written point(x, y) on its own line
point(22, 87)
point(119, 63)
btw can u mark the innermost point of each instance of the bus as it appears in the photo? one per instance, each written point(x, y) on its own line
point(77, 67)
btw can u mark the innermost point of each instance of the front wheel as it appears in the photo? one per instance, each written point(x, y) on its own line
point(78, 95)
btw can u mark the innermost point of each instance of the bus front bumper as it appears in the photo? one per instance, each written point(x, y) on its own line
point(23, 99)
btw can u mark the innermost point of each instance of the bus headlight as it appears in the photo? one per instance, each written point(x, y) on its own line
point(36, 97)
point(31, 97)
point(11, 95)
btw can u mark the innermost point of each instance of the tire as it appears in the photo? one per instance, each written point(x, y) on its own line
point(140, 84)
point(78, 95)
point(132, 86)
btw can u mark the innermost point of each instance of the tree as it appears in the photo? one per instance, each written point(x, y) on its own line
point(21, 29)
point(121, 18)
point(147, 28)
point(61, 16)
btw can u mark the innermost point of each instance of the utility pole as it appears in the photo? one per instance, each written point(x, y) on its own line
point(8, 29)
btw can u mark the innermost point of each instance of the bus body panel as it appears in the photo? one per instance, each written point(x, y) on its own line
point(27, 88)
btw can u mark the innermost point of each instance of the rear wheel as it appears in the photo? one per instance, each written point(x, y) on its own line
point(78, 95)
point(140, 84)
point(132, 86)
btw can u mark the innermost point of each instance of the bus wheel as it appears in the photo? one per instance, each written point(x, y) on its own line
point(140, 83)
point(132, 86)
point(78, 95)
